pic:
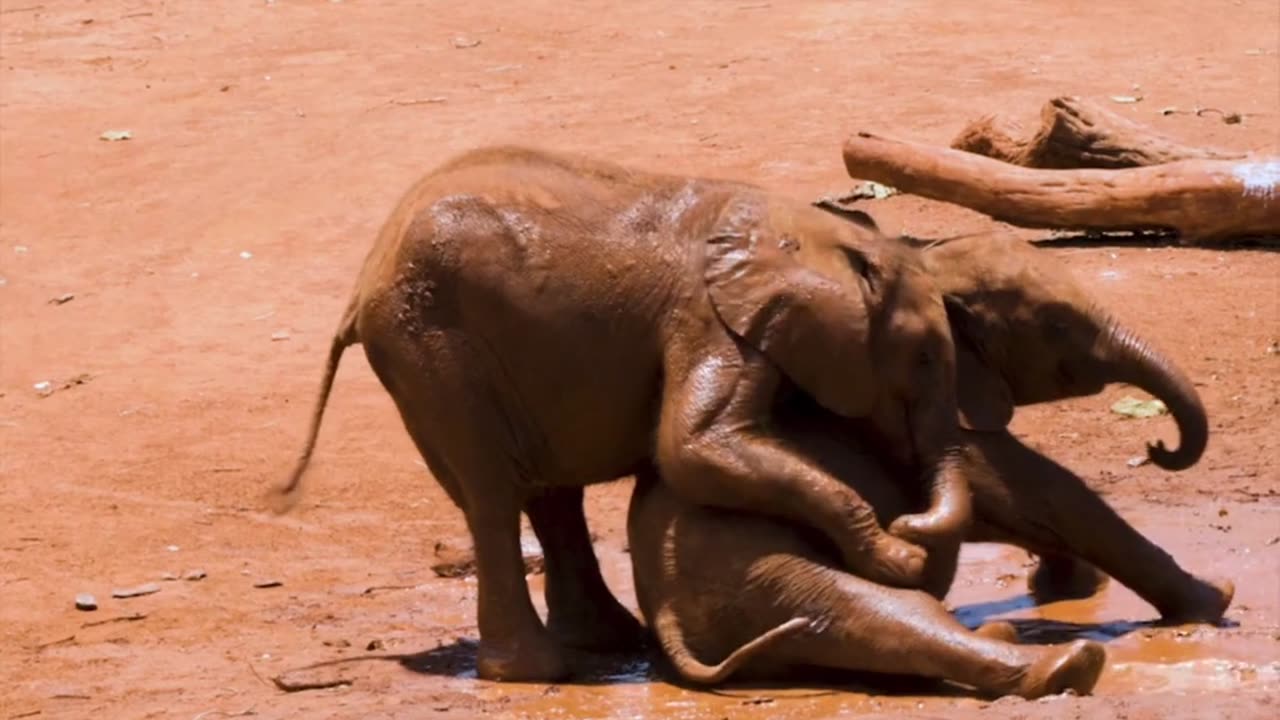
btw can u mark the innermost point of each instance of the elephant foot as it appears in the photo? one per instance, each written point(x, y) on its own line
point(1064, 578)
point(602, 626)
point(1075, 666)
point(998, 630)
point(1205, 602)
point(533, 659)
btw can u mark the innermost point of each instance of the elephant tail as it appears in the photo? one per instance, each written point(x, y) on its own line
point(284, 497)
point(667, 627)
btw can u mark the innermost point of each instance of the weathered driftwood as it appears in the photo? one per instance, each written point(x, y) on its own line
point(1074, 133)
point(1202, 200)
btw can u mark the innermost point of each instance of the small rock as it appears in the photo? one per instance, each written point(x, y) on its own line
point(264, 584)
point(86, 602)
point(44, 387)
point(116, 135)
point(20, 249)
point(462, 42)
point(245, 255)
point(169, 576)
point(172, 548)
point(279, 335)
point(1274, 541)
point(139, 591)
point(339, 643)
point(62, 299)
point(374, 644)
point(194, 575)
point(1137, 461)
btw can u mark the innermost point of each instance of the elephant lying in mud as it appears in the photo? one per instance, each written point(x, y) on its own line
point(728, 592)
point(546, 321)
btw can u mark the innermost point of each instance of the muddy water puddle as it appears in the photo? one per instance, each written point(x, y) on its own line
point(1144, 659)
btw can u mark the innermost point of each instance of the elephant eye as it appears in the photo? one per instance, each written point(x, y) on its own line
point(861, 265)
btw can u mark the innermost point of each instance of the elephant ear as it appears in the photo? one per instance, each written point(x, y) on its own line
point(984, 398)
point(798, 300)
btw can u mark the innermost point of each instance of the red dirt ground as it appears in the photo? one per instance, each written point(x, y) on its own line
point(287, 130)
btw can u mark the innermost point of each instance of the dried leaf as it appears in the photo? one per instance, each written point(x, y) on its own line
point(1133, 407)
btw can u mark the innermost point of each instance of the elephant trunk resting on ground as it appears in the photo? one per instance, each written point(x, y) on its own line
point(546, 321)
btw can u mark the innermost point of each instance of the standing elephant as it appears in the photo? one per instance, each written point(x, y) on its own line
point(546, 321)
point(734, 594)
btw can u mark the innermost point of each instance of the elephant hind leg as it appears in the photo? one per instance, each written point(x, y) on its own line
point(581, 610)
point(451, 411)
point(878, 629)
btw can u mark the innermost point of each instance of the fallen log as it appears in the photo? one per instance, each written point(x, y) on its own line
point(1074, 133)
point(1202, 201)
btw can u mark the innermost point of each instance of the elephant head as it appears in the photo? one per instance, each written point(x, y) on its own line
point(1027, 333)
point(856, 321)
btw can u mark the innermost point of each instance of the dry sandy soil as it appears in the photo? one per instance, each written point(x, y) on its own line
point(210, 254)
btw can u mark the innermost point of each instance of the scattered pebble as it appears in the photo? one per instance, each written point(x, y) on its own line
point(194, 575)
point(1126, 98)
point(1274, 541)
point(245, 255)
point(374, 644)
point(264, 584)
point(169, 576)
point(21, 249)
point(116, 135)
point(279, 335)
point(172, 548)
point(462, 42)
point(62, 299)
point(44, 387)
point(86, 602)
point(1137, 461)
point(139, 591)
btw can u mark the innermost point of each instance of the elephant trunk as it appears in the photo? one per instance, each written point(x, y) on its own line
point(941, 455)
point(1135, 362)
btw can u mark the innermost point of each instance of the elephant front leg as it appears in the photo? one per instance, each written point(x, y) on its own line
point(581, 610)
point(714, 449)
